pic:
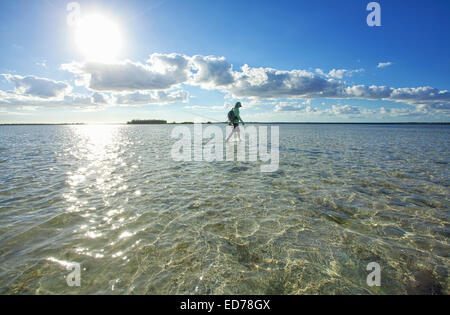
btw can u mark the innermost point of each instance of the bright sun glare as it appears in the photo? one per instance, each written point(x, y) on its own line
point(98, 38)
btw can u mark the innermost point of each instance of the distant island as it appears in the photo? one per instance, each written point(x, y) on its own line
point(147, 122)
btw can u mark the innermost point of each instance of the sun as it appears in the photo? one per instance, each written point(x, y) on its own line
point(98, 38)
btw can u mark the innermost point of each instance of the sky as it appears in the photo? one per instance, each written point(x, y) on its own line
point(288, 61)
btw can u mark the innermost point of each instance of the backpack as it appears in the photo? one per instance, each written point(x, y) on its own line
point(231, 116)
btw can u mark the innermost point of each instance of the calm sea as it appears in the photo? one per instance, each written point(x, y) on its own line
point(111, 199)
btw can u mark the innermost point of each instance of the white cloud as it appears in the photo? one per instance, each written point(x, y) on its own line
point(161, 72)
point(268, 83)
point(338, 73)
point(401, 112)
point(423, 97)
point(100, 98)
point(167, 71)
point(211, 72)
point(38, 87)
point(384, 64)
point(346, 110)
point(396, 112)
point(152, 82)
point(73, 100)
point(151, 97)
point(33, 92)
point(367, 92)
point(295, 107)
point(304, 109)
point(288, 107)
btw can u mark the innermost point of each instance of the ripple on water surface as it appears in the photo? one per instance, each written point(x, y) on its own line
point(111, 199)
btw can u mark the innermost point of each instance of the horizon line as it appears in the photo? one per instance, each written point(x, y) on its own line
point(252, 122)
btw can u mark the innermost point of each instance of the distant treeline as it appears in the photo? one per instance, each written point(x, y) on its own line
point(147, 122)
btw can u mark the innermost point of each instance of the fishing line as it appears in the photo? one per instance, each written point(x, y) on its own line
point(206, 117)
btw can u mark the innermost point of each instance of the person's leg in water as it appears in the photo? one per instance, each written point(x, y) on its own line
point(235, 128)
point(238, 131)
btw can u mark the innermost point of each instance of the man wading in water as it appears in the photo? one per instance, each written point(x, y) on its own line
point(233, 119)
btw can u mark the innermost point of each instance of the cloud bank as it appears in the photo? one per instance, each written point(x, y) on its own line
point(162, 72)
point(152, 97)
point(159, 80)
point(159, 73)
point(38, 87)
point(338, 73)
point(72, 100)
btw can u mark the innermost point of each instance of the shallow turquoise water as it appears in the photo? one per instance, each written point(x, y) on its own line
point(112, 199)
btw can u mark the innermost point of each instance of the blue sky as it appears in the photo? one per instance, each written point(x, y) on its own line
point(191, 60)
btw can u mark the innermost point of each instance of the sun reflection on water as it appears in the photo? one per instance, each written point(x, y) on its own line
point(93, 187)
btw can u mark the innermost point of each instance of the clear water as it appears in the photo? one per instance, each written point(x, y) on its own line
point(112, 199)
